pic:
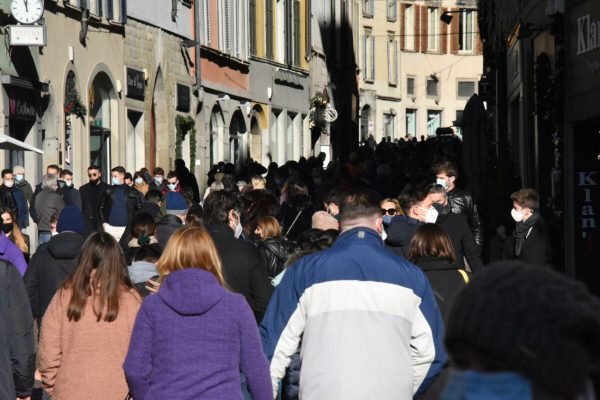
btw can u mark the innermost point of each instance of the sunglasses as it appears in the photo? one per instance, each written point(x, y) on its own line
point(92, 175)
point(389, 211)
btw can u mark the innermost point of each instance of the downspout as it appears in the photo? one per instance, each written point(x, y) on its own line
point(197, 48)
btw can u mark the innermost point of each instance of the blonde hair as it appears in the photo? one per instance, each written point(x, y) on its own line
point(258, 182)
point(16, 236)
point(269, 226)
point(396, 204)
point(191, 247)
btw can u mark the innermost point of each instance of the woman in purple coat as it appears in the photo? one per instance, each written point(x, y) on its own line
point(193, 338)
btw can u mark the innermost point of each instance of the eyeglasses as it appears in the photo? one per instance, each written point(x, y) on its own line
point(92, 175)
point(389, 211)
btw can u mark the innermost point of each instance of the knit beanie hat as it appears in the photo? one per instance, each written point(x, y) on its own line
point(175, 204)
point(535, 321)
point(71, 220)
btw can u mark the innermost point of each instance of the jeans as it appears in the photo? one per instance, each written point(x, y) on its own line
point(44, 237)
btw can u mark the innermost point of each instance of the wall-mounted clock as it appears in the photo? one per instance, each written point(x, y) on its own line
point(27, 11)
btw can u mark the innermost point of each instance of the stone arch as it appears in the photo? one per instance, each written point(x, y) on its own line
point(238, 140)
point(104, 121)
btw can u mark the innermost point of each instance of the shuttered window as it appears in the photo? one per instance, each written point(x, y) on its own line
point(269, 29)
point(252, 27)
point(296, 33)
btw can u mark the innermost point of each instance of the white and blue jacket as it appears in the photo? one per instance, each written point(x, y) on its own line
point(368, 321)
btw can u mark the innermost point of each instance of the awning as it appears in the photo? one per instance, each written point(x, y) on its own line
point(10, 143)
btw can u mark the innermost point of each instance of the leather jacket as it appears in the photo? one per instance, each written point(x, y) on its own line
point(461, 202)
point(133, 203)
point(276, 251)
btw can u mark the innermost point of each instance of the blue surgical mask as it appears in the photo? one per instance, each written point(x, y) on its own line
point(139, 181)
point(158, 179)
point(19, 178)
point(172, 186)
point(387, 219)
point(473, 385)
point(116, 181)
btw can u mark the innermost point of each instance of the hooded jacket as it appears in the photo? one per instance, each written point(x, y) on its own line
point(216, 338)
point(11, 253)
point(49, 267)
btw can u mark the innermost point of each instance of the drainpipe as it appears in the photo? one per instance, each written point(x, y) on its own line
point(198, 85)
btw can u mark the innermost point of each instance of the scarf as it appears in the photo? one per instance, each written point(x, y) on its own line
point(522, 230)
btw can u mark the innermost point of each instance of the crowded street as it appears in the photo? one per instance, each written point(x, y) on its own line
point(299, 200)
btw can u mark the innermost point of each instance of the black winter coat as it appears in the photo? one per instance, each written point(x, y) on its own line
point(7, 200)
point(461, 203)
point(445, 279)
point(400, 233)
point(90, 204)
point(462, 240)
point(132, 197)
point(165, 229)
point(537, 247)
point(244, 268)
point(70, 195)
point(276, 251)
point(17, 353)
point(296, 216)
point(49, 267)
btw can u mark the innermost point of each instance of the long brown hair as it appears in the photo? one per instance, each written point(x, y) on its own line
point(190, 247)
point(431, 240)
point(270, 227)
point(101, 274)
point(16, 235)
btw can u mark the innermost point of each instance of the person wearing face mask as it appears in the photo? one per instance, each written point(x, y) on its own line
point(418, 209)
point(176, 208)
point(457, 227)
point(119, 205)
point(172, 183)
point(48, 204)
point(460, 201)
point(521, 332)
point(91, 194)
point(244, 268)
point(389, 209)
point(66, 189)
point(22, 184)
point(14, 199)
point(529, 241)
point(368, 320)
point(158, 180)
point(139, 183)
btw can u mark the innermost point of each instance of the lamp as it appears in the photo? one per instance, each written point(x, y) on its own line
point(189, 43)
point(446, 18)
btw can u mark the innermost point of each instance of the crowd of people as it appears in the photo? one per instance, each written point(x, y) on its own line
point(353, 280)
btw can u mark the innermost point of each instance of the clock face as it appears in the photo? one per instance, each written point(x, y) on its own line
point(27, 11)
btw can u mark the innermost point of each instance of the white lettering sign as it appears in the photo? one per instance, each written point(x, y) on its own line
point(588, 35)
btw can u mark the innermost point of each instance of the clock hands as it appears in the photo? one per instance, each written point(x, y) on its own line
point(26, 6)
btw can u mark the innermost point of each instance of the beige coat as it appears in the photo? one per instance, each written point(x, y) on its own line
point(84, 359)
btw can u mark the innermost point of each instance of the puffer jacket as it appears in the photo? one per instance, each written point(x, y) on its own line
point(276, 251)
point(461, 203)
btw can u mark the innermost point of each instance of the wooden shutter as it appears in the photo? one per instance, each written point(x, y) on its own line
point(109, 9)
point(269, 29)
point(454, 29)
point(252, 27)
point(207, 30)
point(296, 33)
point(402, 26)
point(424, 15)
point(444, 34)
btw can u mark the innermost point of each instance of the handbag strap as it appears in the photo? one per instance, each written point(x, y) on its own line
point(464, 275)
point(293, 223)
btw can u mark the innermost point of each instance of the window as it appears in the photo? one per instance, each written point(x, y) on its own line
point(434, 121)
point(392, 52)
point(296, 33)
point(433, 88)
point(368, 8)
point(233, 28)
point(409, 27)
point(466, 30)
point(411, 122)
point(392, 10)
point(389, 125)
point(252, 27)
point(369, 55)
point(466, 89)
point(225, 26)
point(269, 29)
point(433, 28)
point(410, 86)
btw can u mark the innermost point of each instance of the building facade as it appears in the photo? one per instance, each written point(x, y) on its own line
point(417, 71)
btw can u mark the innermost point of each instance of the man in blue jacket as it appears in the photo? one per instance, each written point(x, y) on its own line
point(368, 320)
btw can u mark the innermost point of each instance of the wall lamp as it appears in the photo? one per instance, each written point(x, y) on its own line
point(447, 15)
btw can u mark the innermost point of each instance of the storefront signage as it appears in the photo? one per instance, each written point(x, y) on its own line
point(183, 98)
point(21, 109)
point(588, 35)
point(27, 35)
point(136, 84)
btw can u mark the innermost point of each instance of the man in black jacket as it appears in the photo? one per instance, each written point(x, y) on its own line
point(91, 194)
point(460, 201)
point(457, 228)
point(70, 195)
point(119, 204)
point(187, 180)
point(418, 209)
point(244, 268)
point(17, 353)
point(176, 208)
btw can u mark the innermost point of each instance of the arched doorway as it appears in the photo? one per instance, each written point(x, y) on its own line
point(216, 135)
point(255, 140)
point(103, 114)
point(365, 118)
point(237, 130)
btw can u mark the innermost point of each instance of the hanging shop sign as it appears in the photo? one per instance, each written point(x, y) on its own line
point(21, 107)
point(27, 35)
point(183, 98)
point(136, 84)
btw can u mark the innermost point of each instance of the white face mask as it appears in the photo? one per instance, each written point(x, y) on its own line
point(68, 183)
point(238, 227)
point(516, 215)
point(9, 184)
point(431, 215)
point(442, 182)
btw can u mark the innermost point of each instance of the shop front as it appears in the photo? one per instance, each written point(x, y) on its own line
point(582, 141)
